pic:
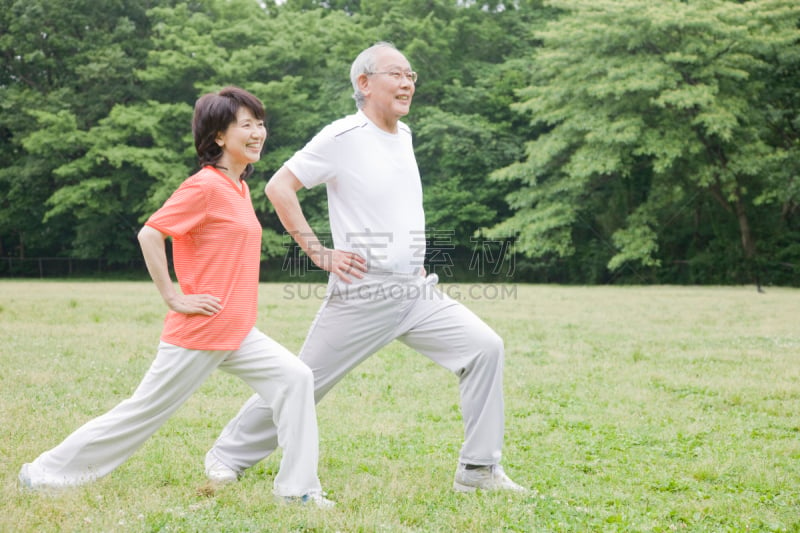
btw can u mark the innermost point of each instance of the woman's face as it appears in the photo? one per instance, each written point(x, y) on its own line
point(242, 142)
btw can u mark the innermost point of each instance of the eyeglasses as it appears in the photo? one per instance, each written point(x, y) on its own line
point(397, 75)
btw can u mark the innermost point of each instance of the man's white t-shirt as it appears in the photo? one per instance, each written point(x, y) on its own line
point(374, 191)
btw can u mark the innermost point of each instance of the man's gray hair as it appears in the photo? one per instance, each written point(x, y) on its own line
point(365, 63)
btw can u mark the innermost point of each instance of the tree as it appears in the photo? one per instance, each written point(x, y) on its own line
point(466, 55)
point(650, 108)
point(96, 100)
point(64, 66)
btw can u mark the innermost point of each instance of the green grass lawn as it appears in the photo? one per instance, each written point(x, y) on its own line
point(627, 409)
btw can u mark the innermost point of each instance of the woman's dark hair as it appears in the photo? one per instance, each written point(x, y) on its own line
point(214, 113)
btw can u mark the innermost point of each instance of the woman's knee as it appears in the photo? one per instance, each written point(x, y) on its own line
point(297, 372)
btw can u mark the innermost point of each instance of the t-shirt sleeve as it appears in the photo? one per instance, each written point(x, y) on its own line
point(315, 163)
point(184, 210)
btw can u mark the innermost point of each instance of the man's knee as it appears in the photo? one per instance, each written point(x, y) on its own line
point(489, 349)
point(492, 344)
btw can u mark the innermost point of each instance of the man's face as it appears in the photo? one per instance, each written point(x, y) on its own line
point(389, 89)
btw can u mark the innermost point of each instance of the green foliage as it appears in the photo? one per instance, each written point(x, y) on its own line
point(64, 65)
point(675, 90)
point(623, 136)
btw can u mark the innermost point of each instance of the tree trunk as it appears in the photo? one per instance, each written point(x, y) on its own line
point(737, 208)
point(748, 241)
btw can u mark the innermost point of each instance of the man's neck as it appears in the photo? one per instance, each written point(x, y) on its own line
point(386, 123)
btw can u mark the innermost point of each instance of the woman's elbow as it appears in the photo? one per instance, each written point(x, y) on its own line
point(148, 233)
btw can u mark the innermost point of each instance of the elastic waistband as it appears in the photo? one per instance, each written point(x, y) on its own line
point(373, 276)
point(387, 274)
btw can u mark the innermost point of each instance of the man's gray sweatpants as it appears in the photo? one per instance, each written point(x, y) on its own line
point(358, 319)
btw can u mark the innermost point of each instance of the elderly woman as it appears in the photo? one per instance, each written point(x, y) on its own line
point(211, 321)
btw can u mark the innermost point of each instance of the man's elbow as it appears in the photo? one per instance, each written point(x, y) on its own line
point(282, 186)
point(277, 188)
point(270, 190)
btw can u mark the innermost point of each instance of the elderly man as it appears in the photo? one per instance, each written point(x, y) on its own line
point(377, 290)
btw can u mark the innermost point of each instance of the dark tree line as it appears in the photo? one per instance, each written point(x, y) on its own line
point(591, 141)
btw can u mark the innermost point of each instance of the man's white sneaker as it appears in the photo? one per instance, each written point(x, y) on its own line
point(316, 497)
point(218, 472)
point(491, 477)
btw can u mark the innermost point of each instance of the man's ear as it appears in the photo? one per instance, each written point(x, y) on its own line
point(363, 83)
